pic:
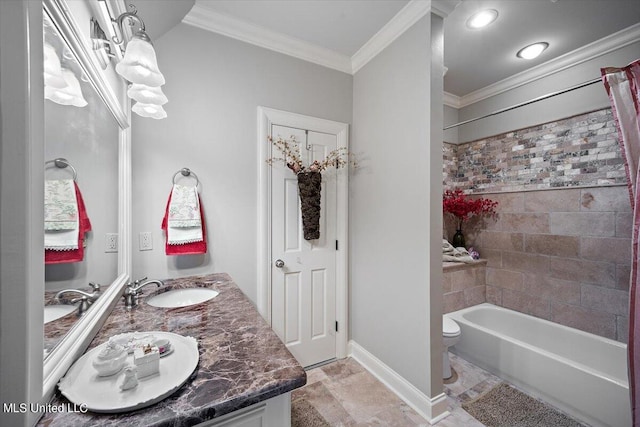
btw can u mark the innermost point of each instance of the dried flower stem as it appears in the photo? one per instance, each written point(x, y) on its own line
point(290, 152)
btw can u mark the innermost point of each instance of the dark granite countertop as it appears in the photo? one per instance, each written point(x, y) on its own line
point(242, 361)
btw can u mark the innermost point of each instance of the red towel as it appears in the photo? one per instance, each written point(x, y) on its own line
point(84, 226)
point(194, 248)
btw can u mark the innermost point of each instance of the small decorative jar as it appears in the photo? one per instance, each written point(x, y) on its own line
point(147, 360)
point(110, 359)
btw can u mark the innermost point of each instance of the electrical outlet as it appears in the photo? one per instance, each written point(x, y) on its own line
point(145, 241)
point(111, 242)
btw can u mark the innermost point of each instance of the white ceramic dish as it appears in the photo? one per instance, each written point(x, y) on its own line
point(82, 385)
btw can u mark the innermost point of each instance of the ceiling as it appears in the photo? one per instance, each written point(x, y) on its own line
point(475, 58)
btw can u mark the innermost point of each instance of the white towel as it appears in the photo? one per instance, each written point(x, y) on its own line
point(61, 219)
point(60, 205)
point(459, 254)
point(184, 221)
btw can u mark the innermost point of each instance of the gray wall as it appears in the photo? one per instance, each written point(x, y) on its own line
point(450, 118)
point(389, 237)
point(578, 101)
point(88, 138)
point(214, 86)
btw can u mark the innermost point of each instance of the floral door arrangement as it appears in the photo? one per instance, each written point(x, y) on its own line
point(309, 179)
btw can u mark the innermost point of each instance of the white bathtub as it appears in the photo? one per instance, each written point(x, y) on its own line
point(582, 374)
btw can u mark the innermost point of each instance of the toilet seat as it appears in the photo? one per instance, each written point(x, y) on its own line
point(449, 327)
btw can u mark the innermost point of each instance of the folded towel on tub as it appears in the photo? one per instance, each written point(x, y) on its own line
point(459, 254)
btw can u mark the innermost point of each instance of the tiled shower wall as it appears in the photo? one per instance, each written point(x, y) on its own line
point(561, 254)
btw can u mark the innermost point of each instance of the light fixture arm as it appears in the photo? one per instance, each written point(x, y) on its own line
point(133, 18)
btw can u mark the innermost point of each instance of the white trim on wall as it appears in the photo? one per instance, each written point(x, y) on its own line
point(266, 118)
point(432, 409)
point(401, 22)
point(585, 53)
point(210, 20)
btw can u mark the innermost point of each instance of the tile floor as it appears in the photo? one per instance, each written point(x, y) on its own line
point(347, 395)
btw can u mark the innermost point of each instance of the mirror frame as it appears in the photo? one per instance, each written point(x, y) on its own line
point(78, 338)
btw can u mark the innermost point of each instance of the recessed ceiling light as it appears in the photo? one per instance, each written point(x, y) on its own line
point(482, 19)
point(532, 51)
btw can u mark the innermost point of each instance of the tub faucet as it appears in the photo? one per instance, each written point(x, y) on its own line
point(85, 298)
point(134, 289)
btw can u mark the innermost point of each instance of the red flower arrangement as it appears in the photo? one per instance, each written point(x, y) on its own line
point(462, 207)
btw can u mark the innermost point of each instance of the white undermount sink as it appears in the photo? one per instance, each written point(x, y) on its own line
point(182, 297)
point(54, 312)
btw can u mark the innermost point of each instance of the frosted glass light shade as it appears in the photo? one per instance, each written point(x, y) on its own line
point(52, 70)
point(139, 64)
point(147, 94)
point(149, 110)
point(68, 95)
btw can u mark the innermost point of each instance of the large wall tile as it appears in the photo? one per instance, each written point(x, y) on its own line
point(605, 299)
point(591, 272)
point(612, 249)
point(549, 288)
point(550, 244)
point(552, 201)
point(537, 222)
point(583, 223)
point(605, 199)
point(596, 322)
point(502, 240)
point(526, 303)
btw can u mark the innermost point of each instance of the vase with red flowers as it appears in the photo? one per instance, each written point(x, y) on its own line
point(461, 207)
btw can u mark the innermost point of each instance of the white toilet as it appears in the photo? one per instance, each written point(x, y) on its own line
point(450, 336)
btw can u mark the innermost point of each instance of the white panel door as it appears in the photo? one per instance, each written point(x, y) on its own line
point(303, 296)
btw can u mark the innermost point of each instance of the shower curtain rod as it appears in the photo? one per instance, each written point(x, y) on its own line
point(531, 101)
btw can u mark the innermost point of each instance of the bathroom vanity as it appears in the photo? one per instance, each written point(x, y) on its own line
point(244, 376)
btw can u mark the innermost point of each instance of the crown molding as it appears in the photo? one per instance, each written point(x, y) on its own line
point(210, 20)
point(451, 100)
point(401, 22)
point(444, 7)
point(585, 53)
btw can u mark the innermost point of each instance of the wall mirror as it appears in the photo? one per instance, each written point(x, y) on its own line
point(88, 129)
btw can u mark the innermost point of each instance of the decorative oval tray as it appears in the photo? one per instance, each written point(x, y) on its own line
point(82, 385)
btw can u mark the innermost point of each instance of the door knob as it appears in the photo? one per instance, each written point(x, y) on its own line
point(279, 263)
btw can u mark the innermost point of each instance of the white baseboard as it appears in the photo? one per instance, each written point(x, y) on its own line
point(433, 409)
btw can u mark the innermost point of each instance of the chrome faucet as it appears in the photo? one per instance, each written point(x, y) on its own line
point(85, 299)
point(135, 289)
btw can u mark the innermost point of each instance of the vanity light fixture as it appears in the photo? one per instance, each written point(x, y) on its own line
point(139, 65)
point(482, 19)
point(71, 94)
point(149, 110)
point(147, 94)
point(52, 69)
point(532, 51)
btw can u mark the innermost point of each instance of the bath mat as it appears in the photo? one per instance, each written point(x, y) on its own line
point(504, 406)
point(303, 414)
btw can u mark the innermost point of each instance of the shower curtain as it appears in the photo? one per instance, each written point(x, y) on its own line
point(623, 87)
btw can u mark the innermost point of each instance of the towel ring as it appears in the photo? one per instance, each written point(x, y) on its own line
point(186, 172)
point(62, 163)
